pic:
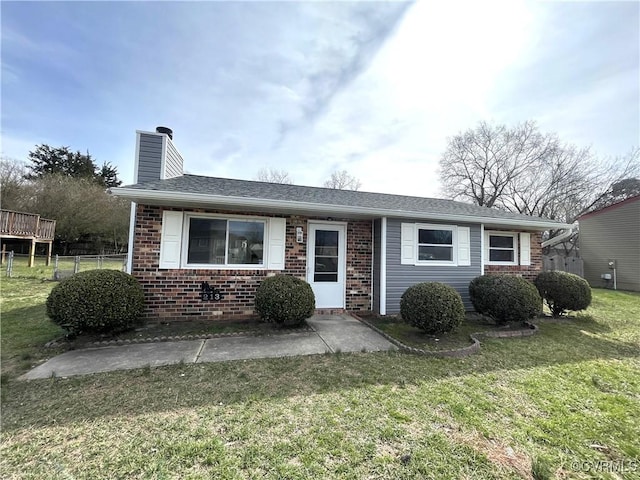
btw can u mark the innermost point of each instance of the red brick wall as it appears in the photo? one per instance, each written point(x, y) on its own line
point(359, 265)
point(175, 294)
point(527, 271)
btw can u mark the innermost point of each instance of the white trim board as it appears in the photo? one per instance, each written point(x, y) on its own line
point(383, 266)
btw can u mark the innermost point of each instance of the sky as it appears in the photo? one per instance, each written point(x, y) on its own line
point(374, 88)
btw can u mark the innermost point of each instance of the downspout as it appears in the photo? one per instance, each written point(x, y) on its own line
point(560, 238)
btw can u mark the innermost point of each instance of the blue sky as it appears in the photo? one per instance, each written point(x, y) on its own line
point(373, 88)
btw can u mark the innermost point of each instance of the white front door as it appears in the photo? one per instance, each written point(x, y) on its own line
point(326, 263)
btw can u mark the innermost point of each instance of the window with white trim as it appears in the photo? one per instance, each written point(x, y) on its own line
point(423, 244)
point(502, 248)
point(225, 242)
point(435, 244)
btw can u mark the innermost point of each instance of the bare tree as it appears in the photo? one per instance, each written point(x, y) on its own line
point(12, 182)
point(558, 186)
point(481, 163)
point(618, 178)
point(273, 175)
point(342, 180)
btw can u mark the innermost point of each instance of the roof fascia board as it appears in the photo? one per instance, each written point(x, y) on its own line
point(140, 196)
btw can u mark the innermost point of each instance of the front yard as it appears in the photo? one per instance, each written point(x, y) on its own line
point(562, 404)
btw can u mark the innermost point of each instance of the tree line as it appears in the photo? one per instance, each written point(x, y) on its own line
point(71, 188)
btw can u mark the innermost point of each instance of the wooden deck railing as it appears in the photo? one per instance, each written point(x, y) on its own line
point(26, 225)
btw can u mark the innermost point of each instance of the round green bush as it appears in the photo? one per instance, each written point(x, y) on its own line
point(505, 298)
point(433, 307)
point(563, 291)
point(96, 301)
point(285, 300)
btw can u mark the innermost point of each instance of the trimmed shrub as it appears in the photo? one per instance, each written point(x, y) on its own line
point(96, 301)
point(285, 300)
point(433, 307)
point(505, 298)
point(563, 291)
point(478, 293)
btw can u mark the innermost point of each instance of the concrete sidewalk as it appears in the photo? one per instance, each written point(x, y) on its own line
point(332, 333)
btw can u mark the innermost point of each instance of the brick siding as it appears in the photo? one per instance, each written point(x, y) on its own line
point(175, 294)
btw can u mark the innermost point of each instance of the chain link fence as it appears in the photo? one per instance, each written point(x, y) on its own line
point(59, 267)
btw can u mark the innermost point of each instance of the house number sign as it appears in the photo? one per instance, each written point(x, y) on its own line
point(207, 292)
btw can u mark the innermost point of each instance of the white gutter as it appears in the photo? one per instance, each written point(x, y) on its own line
point(562, 237)
point(186, 198)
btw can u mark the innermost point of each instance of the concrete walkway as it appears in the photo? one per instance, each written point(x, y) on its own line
point(332, 333)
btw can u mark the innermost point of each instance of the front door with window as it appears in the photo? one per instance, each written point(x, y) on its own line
point(326, 267)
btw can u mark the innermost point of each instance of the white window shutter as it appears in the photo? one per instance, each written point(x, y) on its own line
point(171, 239)
point(487, 249)
point(408, 244)
point(525, 249)
point(464, 246)
point(276, 242)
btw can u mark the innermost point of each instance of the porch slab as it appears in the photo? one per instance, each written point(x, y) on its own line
point(343, 333)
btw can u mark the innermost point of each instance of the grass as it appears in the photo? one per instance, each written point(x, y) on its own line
point(25, 325)
point(547, 406)
point(414, 337)
point(42, 271)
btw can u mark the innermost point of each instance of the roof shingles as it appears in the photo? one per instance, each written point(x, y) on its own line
point(227, 187)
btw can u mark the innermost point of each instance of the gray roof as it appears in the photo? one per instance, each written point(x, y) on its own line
point(195, 184)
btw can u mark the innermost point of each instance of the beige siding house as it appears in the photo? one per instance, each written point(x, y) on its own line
point(612, 235)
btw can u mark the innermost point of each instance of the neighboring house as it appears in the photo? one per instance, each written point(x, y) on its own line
point(358, 250)
point(612, 235)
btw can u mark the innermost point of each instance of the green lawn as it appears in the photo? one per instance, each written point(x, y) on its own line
point(563, 404)
point(66, 265)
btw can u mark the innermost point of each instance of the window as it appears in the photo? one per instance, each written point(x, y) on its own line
point(435, 244)
point(326, 256)
point(502, 248)
point(426, 245)
point(225, 242)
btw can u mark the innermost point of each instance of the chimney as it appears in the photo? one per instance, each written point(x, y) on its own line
point(157, 158)
point(165, 130)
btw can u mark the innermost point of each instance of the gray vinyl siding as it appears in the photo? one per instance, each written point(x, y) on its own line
point(377, 249)
point(173, 162)
point(400, 277)
point(612, 234)
point(149, 157)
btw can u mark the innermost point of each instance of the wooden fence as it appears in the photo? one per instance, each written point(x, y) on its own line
point(565, 264)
